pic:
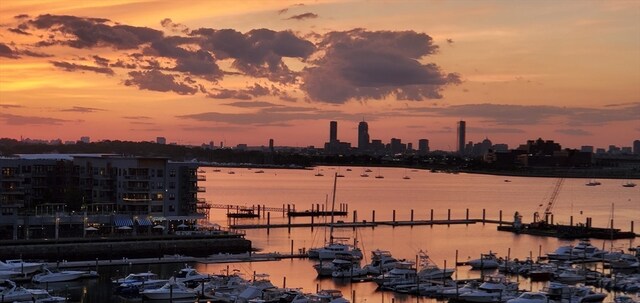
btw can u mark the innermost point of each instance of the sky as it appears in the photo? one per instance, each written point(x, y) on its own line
point(249, 71)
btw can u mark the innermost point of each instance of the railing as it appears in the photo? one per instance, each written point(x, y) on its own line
point(201, 178)
point(201, 189)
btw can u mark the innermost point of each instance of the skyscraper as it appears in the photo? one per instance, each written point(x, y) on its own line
point(333, 131)
point(423, 146)
point(636, 147)
point(461, 136)
point(363, 136)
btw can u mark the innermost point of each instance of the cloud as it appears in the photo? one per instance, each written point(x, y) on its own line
point(494, 130)
point(155, 80)
point(363, 65)
point(270, 116)
point(254, 104)
point(303, 16)
point(18, 31)
point(29, 53)
point(10, 119)
point(72, 67)
point(174, 27)
point(136, 117)
point(100, 60)
point(80, 109)
point(7, 52)
point(257, 53)
point(574, 132)
point(7, 106)
point(244, 94)
point(91, 32)
point(282, 11)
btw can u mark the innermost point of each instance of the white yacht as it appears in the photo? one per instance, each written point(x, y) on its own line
point(348, 269)
point(530, 297)
point(561, 292)
point(20, 266)
point(170, 290)
point(134, 283)
point(430, 271)
point(10, 292)
point(326, 269)
point(381, 262)
point(329, 252)
point(189, 275)
point(57, 276)
point(486, 261)
point(327, 296)
point(493, 289)
point(403, 273)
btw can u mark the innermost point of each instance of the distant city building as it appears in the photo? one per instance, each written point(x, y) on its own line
point(410, 147)
point(626, 150)
point(271, 145)
point(396, 146)
point(69, 142)
point(333, 131)
point(462, 125)
point(586, 148)
point(161, 140)
point(500, 147)
point(636, 147)
point(363, 136)
point(613, 149)
point(241, 147)
point(85, 139)
point(600, 151)
point(540, 147)
point(423, 146)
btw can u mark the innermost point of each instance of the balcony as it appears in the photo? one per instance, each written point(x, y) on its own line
point(201, 178)
point(201, 189)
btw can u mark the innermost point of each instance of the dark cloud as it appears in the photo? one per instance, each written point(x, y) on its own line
point(29, 53)
point(495, 130)
point(282, 11)
point(155, 80)
point(21, 16)
point(244, 94)
point(10, 119)
point(80, 109)
point(72, 67)
point(303, 16)
point(198, 62)
point(270, 116)
point(122, 64)
point(574, 132)
point(363, 65)
point(18, 31)
point(7, 52)
point(91, 32)
point(174, 27)
point(257, 53)
point(100, 60)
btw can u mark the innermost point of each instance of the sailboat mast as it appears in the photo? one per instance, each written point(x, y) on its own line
point(333, 206)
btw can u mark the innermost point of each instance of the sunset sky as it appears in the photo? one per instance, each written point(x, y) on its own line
point(247, 71)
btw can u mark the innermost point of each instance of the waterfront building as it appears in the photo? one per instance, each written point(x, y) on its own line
point(636, 147)
point(333, 131)
point(334, 146)
point(586, 148)
point(109, 191)
point(462, 126)
point(85, 139)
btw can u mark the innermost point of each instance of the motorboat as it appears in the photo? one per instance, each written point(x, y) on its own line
point(560, 292)
point(629, 184)
point(42, 296)
point(593, 183)
point(10, 292)
point(20, 266)
point(134, 283)
point(58, 276)
point(486, 261)
point(584, 250)
point(259, 284)
point(189, 275)
point(381, 262)
point(562, 253)
point(493, 289)
point(327, 296)
point(347, 269)
point(11, 275)
point(430, 271)
point(455, 291)
point(329, 252)
point(530, 297)
point(170, 290)
point(326, 269)
point(625, 261)
point(223, 288)
point(403, 273)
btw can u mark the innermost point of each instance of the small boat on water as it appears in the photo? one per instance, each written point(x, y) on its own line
point(593, 183)
point(381, 262)
point(190, 275)
point(486, 261)
point(629, 184)
point(134, 283)
point(259, 171)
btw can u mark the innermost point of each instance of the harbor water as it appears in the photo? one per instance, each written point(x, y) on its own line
point(423, 192)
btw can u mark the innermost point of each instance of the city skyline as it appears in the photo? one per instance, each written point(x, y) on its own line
point(195, 72)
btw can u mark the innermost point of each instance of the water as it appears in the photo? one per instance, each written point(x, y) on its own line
point(423, 192)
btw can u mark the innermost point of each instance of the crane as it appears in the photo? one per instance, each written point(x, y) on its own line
point(550, 203)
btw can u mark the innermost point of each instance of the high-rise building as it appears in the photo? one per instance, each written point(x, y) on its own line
point(161, 140)
point(333, 131)
point(363, 136)
point(85, 139)
point(271, 145)
point(586, 149)
point(423, 146)
point(462, 126)
point(636, 147)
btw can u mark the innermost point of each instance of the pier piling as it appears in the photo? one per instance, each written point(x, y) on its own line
point(355, 216)
point(571, 221)
point(632, 226)
point(394, 216)
point(500, 217)
point(412, 215)
point(373, 216)
point(432, 215)
point(484, 216)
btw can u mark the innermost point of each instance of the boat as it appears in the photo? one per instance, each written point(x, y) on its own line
point(486, 261)
point(625, 261)
point(593, 182)
point(406, 177)
point(493, 289)
point(41, 296)
point(20, 266)
point(403, 273)
point(364, 175)
point(11, 275)
point(216, 170)
point(231, 172)
point(367, 170)
point(455, 291)
point(629, 184)
point(189, 275)
point(347, 269)
point(327, 296)
point(325, 269)
point(430, 271)
point(259, 171)
point(258, 286)
point(136, 282)
point(318, 173)
point(561, 293)
point(170, 290)
point(531, 297)
point(10, 292)
point(58, 276)
point(381, 262)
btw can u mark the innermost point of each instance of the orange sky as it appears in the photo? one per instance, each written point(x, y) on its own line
point(567, 71)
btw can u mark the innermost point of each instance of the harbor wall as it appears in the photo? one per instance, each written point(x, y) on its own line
point(108, 250)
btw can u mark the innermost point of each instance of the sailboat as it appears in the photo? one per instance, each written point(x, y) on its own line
point(629, 184)
point(364, 173)
point(318, 173)
point(335, 245)
point(593, 182)
point(379, 176)
point(406, 177)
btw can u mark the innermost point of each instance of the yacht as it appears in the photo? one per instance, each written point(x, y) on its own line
point(10, 292)
point(561, 292)
point(593, 183)
point(327, 296)
point(189, 275)
point(259, 285)
point(20, 266)
point(325, 269)
point(41, 296)
point(531, 297)
point(486, 261)
point(58, 276)
point(430, 271)
point(403, 273)
point(347, 269)
point(170, 290)
point(329, 252)
point(629, 184)
point(493, 289)
point(134, 283)
point(625, 261)
point(381, 262)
